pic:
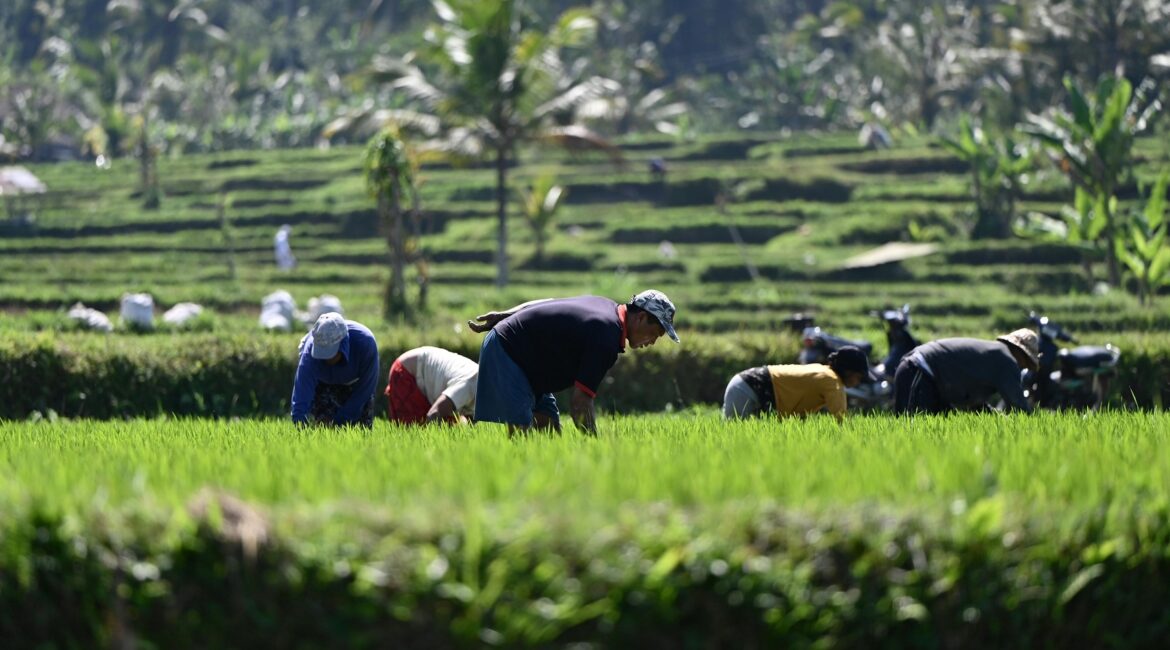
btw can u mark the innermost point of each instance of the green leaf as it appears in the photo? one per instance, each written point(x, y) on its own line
point(1134, 263)
point(1137, 237)
point(1097, 221)
point(575, 28)
point(664, 565)
point(1037, 225)
point(1114, 114)
point(1081, 111)
point(1160, 268)
point(1045, 130)
point(955, 147)
point(1156, 206)
point(1080, 581)
point(1083, 201)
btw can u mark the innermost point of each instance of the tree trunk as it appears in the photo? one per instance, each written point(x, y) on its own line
point(390, 209)
point(502, 215)
point(151, 196)
point(1087, 266)
point(228, 241)
point(1110, 235)
point(420, 259)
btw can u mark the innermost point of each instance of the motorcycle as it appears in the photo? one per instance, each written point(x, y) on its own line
point(898, 339)
point(1076, 378)
point(816, 345)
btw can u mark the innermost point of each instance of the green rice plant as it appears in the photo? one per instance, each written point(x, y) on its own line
point(664, 531)
point(1057, 466)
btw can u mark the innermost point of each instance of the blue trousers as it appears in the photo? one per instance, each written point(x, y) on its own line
point(503, 393)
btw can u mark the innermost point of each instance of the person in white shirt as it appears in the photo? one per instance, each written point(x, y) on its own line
point(430, 384)
point(284, 255)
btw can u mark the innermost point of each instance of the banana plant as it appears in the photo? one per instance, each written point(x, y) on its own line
point(1079, 224)
point(1092, 143)
point(539, 206)
point(390, 173)
point(1145, 253)
point(997, 167)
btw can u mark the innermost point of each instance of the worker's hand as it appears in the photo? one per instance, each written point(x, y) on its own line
point(485, 322)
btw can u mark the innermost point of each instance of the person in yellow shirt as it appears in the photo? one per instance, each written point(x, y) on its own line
point(796, 389)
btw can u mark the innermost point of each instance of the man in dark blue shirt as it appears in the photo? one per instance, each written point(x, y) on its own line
point(337, 374)
point(965, 374)
point(544, 346)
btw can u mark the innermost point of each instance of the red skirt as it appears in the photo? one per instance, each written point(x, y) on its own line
point(406, 403)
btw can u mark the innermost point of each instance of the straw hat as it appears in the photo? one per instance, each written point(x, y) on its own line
point(1026, 341)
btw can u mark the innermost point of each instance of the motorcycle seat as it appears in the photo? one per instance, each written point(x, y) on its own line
point(865, 346)
point(816, 337)
point(1088, 356)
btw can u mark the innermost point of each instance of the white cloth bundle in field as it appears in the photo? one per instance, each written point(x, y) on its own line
point(324, 304)
point(90, 319)
point(182, 313)
point(138, 310)
point(277, 311)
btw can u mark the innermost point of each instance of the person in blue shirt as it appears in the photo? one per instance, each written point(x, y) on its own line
point(337, 374)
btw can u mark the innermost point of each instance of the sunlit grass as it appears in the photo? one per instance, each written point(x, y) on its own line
point(1051, 465)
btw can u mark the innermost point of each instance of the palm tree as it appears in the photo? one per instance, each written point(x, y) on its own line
point(927, 46)
point(997, 166)
point(495, 81)
point(143, 45)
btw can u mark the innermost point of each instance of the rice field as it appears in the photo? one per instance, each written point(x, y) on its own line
point(665, 531)
point(1043, 466)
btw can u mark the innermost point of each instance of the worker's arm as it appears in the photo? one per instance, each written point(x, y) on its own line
point(581, 408)
point(1011, 388)
point(485, 322)
point(443, 410)
point(304, 390)
point(835, 402)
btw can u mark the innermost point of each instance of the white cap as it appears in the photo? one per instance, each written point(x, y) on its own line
point(328, 333)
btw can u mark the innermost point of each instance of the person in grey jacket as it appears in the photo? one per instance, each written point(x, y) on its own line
point(962, 374)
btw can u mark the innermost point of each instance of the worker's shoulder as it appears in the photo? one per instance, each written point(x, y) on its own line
point(804, 370)
point(359, 331)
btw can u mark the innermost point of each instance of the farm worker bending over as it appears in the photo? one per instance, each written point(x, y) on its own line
point(430, 384)
point(538, 348)
point(963, 374)
point(337, 373)
point(796, 389)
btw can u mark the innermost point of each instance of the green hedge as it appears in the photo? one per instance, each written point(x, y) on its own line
point(120, 375)
point(852, 580)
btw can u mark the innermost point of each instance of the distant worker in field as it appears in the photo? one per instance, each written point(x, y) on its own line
point(337, 374)
point(657, 170)
point(798, 389)
point(964, 374)
point(430, 384)
point(538, 348)
point(284, 256)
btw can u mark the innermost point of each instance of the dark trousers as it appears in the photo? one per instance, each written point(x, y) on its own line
point(330, 398)
point(915, 391)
